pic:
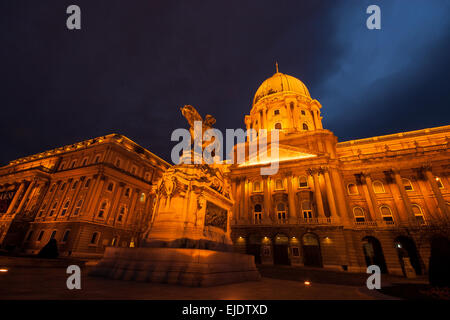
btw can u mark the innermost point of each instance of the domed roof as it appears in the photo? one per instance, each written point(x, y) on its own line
point(280, 82)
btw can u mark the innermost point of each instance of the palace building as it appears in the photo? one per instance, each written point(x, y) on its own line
point(86, 196)
point(338, 205)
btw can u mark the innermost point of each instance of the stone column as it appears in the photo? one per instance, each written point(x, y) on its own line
point(244, 216)
point(31, 196)
point(437, 193)
point(75, 196)
point(96, 196)
point(405, 198)
point(266, 125)
point(63, 198)
point(89, 195)
point(401, 214)
point(259, 120)
point(330, 195)
point(368, 193)
point(340, 196)
point(267, 203)
point(52, 197)
point(235, 198)
point(289, 114)
point(428, 199)
point(16, 197)
point(116, 200)
point(249, 202)
point(291, 199)
point(241, 199)
point(25, 196)
point(134, 198)
point(318, 194)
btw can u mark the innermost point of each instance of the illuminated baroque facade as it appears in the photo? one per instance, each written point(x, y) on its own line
point(339, 205)
point(88, 195)
point(335, 205)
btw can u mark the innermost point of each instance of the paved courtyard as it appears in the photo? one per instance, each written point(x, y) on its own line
point(36, 279)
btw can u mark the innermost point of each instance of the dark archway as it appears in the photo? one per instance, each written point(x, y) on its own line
point(373, 253)
point(406, 248)
point(281, 250)
point(254, 247)
point(312, 256)
point(439, 263)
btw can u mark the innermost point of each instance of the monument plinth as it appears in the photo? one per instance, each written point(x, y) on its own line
point(188, 240)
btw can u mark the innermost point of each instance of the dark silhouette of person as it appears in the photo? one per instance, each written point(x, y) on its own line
point(50, 250)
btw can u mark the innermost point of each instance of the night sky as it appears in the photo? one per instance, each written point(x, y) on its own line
point(134, 63)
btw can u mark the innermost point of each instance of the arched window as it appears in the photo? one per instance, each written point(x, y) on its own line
point(127, 192)
point(65, 207)
point(303, 112)
point(306, 209)
point(279, 184)
point(61, 167)
point(418, 213)
point(121, 213)
point(94, 238)
point(352, 189)
point(118, 163)
point(386, 214)
point(52, 211)
point(439, 183)
point(302, 182)
point(102, 210)
point(407, 184)
point(65, 236)
point(378, 187)
point(74, 163)
point(40, 236)
point(53, 235)
point(257, 211)
point(97, 159)
point(52, 187)
point(110, 186)
point(87, 183)
point(74, 185)
point(30, 233)
point(256, 186)
point(305, 127)
point(85, 162)
point(278, 126)
point(133, 170)
point(63, 186)
point(78, 207)
point(281, 212)
point(114, 241)
point(359, 215)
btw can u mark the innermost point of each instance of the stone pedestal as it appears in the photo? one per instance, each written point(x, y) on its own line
point(188, 240)
point(187, 267)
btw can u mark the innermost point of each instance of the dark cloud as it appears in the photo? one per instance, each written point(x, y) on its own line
point(134, 64)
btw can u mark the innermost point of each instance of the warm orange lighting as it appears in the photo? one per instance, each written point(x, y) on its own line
point(307, 283)
point(3, 270)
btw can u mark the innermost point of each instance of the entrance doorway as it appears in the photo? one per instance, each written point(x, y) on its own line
point(311, 250)
point(254, 247)
point(281, 250)
point(406, 248)
point(373, 253)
